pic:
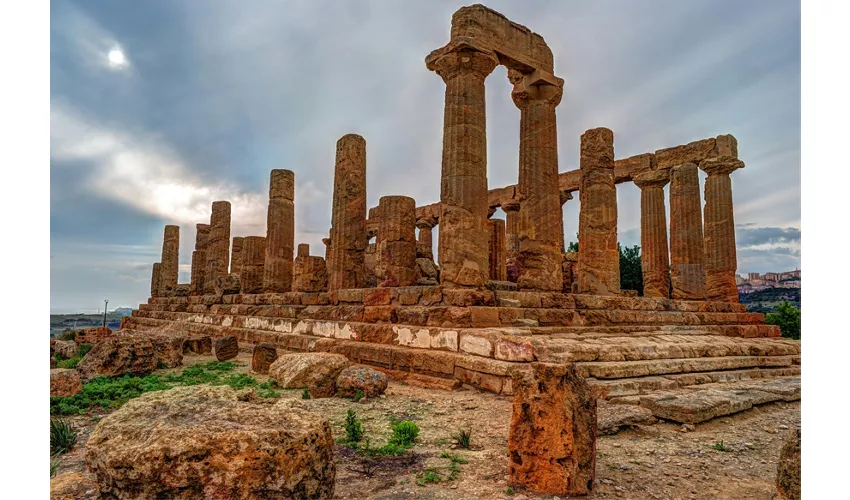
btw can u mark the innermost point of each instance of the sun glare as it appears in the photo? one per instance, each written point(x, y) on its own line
point(116, 58)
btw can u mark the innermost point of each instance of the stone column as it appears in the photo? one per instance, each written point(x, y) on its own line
point(540, 254)
point(280, 232)
point(598, 256)
point(253, 262)
point(425, 241)
point(512, 223)
point(236, 255)
point(199, 259)
point(155, 279)
point(396, 241)
point(303, 250)
point(565, 197)
point(687, 253)
point(463, 243)
point(308, 272)
point(498, 269)
point(348, 224)
point(218, 245)
point(170, 257)
point(654, 260)
point(721, 261)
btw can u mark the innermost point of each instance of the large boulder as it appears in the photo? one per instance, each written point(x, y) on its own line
point(73, 486)
point(65, 349)
point(226, 348)
point(788, 470)
point(317, 371)
point(117, 356)
point(369, 381)
point(64, 382)
point(264, 355)
point(552, 436)
point(202, 442)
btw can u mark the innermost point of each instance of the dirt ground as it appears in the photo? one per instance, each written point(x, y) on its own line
point(727, 458)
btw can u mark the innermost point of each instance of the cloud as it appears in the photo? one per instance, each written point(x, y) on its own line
point(756, 236)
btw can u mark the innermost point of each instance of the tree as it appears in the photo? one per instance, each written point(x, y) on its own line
point(788, 318)
point(631, 273)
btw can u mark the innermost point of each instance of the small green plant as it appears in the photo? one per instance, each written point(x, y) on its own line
point(305, 394)
point(62, 436)
point(55, 462)
point(404, 433)
point(455, 459)
point(68, 335)
point(463, 438)
point(267, 390)
point(68, 363)
point(84, 349)
point(353, 427)
point(509, 491)
point(429, 476)
point(358, 396)
point(720, 446)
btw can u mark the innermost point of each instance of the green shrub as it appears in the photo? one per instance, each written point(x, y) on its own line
point(84, 349)
point(429, 476)
point(720, 446)
point(404, 433)
point(267, 390)
point(463, 438)
point(62, 436)
point(353, 427)
point(788, 318)
point(68, 363)
point(358, 396)
point(68, 335)
point(305, 394)
point(55, 462)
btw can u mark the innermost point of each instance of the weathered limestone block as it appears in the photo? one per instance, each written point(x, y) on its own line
point(264, 355)
point(315, 371)
point(598, 256)
point(721, 259)
point(280, 232)
point(370, 264)
point(396, 241)
point(552, 439)
point(73, 486)
point(303, 250)
point(92, 335)
point(64, 382)
point(348, 218)
point(199, 262)
point(309, 274)
point(66, 349)
point(170, 257)
point(198, 344)
point(540, 213)
point(361, 378)
point(463, 242)
point(226, 348)
point(788, 470)
point(568, 269)
point(156, 275)
point(117, 356)
point(236, 258)
point(249, 450)
point(497, 258)
point(218, 245)
point(426, 272)
point(655, 260)
point(227, 284)
point(687, 254)
point(168, 349)
point(253, 263)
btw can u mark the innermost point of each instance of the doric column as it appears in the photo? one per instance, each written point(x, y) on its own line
point(327, 243)
point(654, 259)
point(170, 257)
point(236, 255)
point(540, 253)
point(565, 197)
point(218, 245)
point(687, 253)
point(253, 262)
point(280, 232)
point(396, 241)
point(303, 250)
point(512, 223)
point(598, 255)
point(498, 269)
point(425, 241)
point(721, 260)
point(199, 259)
point(348, 224)
point(155, 279)
point(463, 242)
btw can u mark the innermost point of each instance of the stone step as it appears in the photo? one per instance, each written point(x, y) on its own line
point(630, 369)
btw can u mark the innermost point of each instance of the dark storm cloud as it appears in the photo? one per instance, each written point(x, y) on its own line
point(754, 236)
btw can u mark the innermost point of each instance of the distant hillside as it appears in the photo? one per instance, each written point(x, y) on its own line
point(766, 301)
point(60, 322)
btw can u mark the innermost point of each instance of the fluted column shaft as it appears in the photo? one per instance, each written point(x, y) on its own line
point(280, 232)
point(156, 273)
point(218, 245)
point(498, 270)
point(396, 242)
point(236, 255)
point(540, 253)
point(463, 243)
point(253, 262)
point(687, 253)
point(598, 255)
point(721, 260)
point(348, 224)
point(654, 259)
point(565, 197)
point(170, 258)
point(199, 259)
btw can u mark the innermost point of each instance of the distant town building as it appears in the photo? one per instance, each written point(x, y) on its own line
point(755, 281)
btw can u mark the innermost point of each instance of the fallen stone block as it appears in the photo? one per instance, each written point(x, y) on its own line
point(788, 469)
point(264, 355)
point(370, 382)
point(132, 354)
point(315, 371)
point(226, 348)
point(64, 382)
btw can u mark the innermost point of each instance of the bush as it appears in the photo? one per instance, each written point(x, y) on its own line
point(305, 394)
point(463, 438)
point(62, 436)
point(55, 461)
point(353, 427)
point(67, 335)
point(84, 349)
point(788, 318)
point(404, 433)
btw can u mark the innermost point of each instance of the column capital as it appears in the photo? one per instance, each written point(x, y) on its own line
point(428, 223)
point(461, 57)
point(536, 86)
point(720, 165)
point(652, 178)
point(565, 196)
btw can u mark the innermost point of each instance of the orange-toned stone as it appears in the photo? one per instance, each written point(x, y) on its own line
point(552, 438)
point(218, 245)
point(484, 316)
point(396, 242)
point(348, 240)
point(655, 260)
point(280, 232)
point(376, 297)
point(170, 251)
point(497, 250)
point(721, 260)
point(687, 253)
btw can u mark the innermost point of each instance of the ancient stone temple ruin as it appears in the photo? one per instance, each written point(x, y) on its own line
point(501, 294)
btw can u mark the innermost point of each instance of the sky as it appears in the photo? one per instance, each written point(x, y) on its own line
point(159, 108)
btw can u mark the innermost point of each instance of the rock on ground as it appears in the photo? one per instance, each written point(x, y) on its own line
point(64, 382)
point(788, 471)
point(117, 356)
point(202, 442)
point(168, 350)
point(317, 371)
point(64, 348)
point(369, 381)
point(73, 486)
point(198, 344)
point(264, 355)
point(611, 417)
point(226, 348)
